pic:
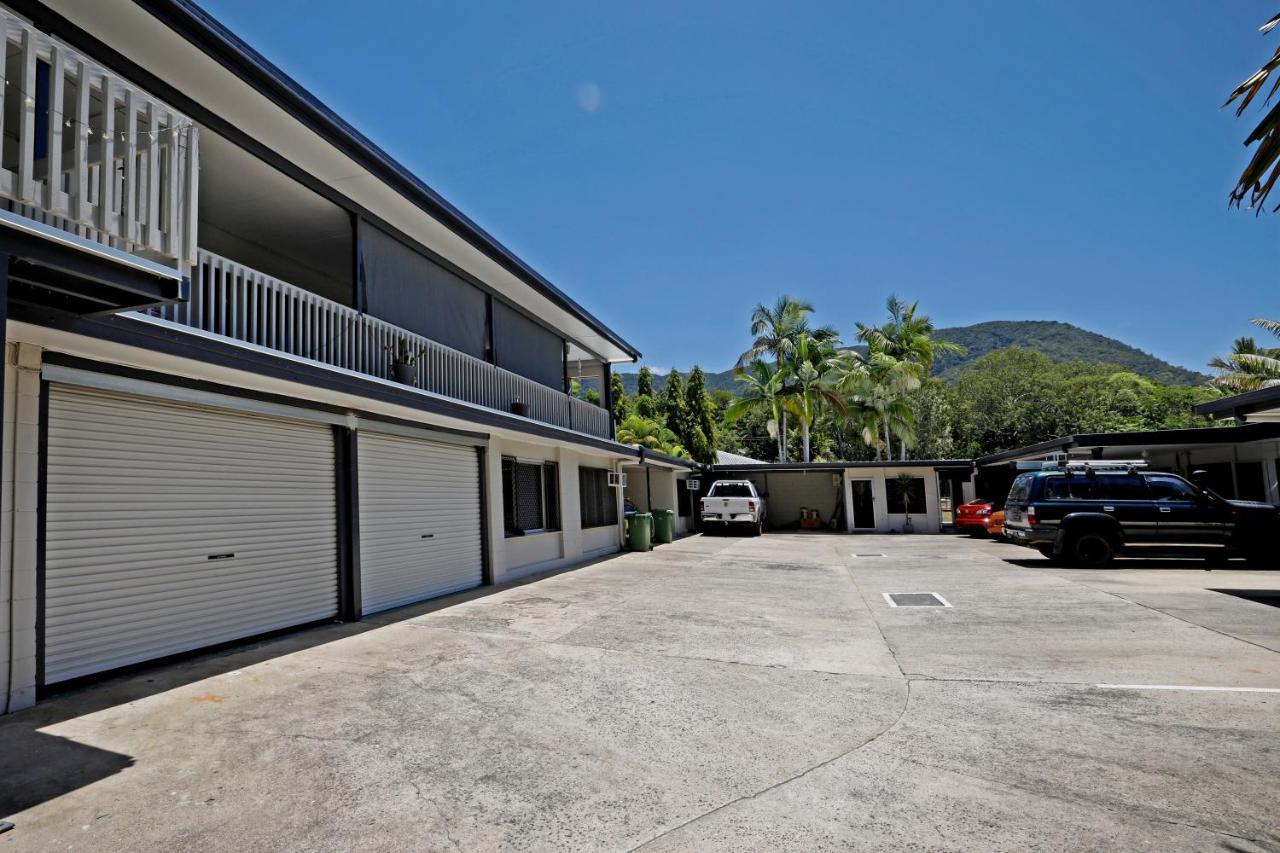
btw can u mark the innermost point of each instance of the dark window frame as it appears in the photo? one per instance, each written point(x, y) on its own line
point(597, 500)
point(546, 494)
point(894, 497)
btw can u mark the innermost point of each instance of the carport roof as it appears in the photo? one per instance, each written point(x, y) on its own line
point(840, 466)
point(1164, 438)
point(1262, 404)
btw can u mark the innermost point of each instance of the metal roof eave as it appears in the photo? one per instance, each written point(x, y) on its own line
point(1241, 405)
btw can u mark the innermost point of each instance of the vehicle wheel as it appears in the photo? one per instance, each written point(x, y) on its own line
point(758, 529)
point(1091, 550)
point(1262, 560)
point(1046, 551)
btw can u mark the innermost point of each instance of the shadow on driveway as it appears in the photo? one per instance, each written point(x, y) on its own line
point(36, 766)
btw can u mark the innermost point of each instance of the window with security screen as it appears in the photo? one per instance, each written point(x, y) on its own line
point(597, 499)
point(530, 497)
point(912, 491)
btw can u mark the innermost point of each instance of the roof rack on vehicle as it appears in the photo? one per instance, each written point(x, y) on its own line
point(1093, 466)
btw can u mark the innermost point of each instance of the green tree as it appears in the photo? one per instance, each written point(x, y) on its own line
point(652, 435)
point(933, 421)
point(809, 395)
point(775, 331)
point(644, 383)
point(671, 403)
point(1014, 397)
point(1249, 366)
point(1009, 398)
point(908, 337)
point(901, 352)
point(761, 385)
point(1254, 182)
point(618, 395)
point(701, 436)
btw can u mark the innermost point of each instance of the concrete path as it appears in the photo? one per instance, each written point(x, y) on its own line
point(719, 693)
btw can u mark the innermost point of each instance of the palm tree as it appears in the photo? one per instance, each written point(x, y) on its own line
point(907, 336)
point(809, 390)
point(1249, 366)
point(761, 387)
point(1254, 181)
point(875, 390)
point(776, 331)
point(643, 432)
point(902, 351)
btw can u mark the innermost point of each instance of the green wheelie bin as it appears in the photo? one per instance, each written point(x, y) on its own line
point(664, 525)
point(640, 531)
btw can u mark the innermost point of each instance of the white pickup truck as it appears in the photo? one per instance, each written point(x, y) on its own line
point(734, 502)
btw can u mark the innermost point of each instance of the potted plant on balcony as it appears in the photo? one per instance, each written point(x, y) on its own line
point(404, 362)
point(905, 482)
point(519, 407)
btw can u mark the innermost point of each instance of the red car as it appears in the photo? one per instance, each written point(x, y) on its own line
point(972, 517)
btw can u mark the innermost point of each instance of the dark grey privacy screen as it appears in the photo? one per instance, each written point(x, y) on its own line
point(410, 290)
point(522, 346)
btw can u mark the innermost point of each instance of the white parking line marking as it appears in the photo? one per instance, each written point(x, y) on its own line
point(1188, 687)
point(888, 597)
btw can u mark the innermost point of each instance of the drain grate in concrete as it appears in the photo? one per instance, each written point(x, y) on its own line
point(915, 599)
point(865, 556)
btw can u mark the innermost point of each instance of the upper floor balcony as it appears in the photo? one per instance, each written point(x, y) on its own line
point(88, 152)
point(248, 246)
point(235, 301)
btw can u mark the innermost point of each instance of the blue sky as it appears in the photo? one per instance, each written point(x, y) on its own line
point(995, 160)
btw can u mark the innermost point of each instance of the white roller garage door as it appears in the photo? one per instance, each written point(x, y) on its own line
point(420, 531)
point(170, 527)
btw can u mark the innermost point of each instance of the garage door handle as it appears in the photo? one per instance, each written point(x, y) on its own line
point(428, 536)
point(220, 556)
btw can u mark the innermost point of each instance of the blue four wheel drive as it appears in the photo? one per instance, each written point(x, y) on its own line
point(1085, 513)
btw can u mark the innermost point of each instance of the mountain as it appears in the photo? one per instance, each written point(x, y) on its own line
point(1059, 341)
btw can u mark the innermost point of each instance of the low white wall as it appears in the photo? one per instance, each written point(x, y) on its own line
point(515, 556)
point(891, 518)
point(600, 540)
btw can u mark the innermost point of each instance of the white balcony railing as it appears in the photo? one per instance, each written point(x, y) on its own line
point(233, 300)
point(85, 118)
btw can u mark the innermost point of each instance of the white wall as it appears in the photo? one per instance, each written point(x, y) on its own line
point(18, 498)
point(516, 556)
point(891, 518)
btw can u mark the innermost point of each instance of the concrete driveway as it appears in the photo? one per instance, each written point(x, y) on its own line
point(718, 693)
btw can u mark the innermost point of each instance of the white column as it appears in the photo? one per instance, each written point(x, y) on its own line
point(493, 496)
point(18, 500)
point(570, 507)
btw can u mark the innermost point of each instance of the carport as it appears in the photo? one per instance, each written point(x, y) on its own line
point(857, 497)
point(1240, 462)
point(792, 493)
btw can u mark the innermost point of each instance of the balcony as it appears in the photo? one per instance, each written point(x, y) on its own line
point(240, 303)
point(88, 153)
